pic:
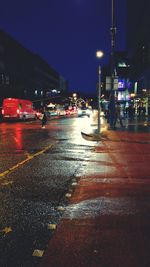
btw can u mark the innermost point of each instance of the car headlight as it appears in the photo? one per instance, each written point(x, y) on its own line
point(88, 111)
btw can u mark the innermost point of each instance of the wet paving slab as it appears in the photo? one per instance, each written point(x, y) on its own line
point(107, 221)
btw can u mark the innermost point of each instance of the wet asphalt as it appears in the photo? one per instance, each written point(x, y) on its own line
point(67, 201)
point(37, 167)
point(106, 222)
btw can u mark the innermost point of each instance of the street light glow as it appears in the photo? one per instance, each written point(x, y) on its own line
point(99, 54)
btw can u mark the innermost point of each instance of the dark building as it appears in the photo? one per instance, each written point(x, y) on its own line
point(26, 75)
point(138, 47)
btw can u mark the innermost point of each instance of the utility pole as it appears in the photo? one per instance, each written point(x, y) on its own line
point(99, 54)
point(112, 93)
point(99, 97)
point(113, 32)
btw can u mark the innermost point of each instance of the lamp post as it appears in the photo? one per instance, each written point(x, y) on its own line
point(112, 93)
point(99, 54)
point(112, 32)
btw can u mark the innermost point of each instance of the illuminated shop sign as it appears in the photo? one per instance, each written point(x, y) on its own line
point(123, 84)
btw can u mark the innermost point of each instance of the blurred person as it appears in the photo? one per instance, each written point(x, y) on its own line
point(131, 111)
point(144, 111)
point(117, 115)
point(44, 118)
point(139, 110)
point(111, 111)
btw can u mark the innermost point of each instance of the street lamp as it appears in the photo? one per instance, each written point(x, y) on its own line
point(99, 54)
point(112, 93)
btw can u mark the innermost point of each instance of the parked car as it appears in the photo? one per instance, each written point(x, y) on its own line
point(60, 110)
point(15, 108)
point(74, 110)
point(70, 110)
point(51, 110)
point(67, 111)
point(38, 114)
point(84, 111)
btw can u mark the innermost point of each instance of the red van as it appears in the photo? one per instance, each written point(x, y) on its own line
point(14, 108)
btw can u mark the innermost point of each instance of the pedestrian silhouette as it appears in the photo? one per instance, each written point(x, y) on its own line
point(118, 115)
point(44, 118)
point(111, 110)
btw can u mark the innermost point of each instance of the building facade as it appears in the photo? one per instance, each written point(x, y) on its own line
point(138, 47)
point(26, 75)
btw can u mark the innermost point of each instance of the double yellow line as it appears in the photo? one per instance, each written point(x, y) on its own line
point(29, 157)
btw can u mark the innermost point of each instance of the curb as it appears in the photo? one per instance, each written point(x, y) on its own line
point(94, 136)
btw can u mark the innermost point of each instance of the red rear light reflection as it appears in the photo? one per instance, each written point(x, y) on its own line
point(67, 112)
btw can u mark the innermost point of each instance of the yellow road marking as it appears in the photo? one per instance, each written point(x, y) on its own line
point(38, 253)
point(29, 157)
point(6, 230)
point(51, 226)
point(7, 182)
point(4, 173)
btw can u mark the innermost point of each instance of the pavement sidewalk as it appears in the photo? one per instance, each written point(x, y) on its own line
point(107, 222)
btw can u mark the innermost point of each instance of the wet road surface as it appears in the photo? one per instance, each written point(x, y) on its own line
point(37, 170)
point(107, 220)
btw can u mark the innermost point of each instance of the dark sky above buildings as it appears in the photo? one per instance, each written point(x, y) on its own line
point(66, 33)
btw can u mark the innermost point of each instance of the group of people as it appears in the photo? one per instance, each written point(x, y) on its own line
point(114, 114)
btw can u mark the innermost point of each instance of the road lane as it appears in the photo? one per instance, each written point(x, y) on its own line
point(29, 157)
point(37, 168)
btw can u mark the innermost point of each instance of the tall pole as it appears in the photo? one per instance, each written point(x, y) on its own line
point(99, 54)
point(99, 97)
point(113, 32)
point(112, 95)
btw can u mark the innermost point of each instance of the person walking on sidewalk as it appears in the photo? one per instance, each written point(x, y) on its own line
point(117, 115)
point(111, 111)
point(44, 118)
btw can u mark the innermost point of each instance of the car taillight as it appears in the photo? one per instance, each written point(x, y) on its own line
point(3, 111)
point(18, 111)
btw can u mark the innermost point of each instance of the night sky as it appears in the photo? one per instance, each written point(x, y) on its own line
point(66, 33)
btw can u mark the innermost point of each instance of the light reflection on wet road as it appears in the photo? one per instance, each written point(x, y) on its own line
point(32, 193)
